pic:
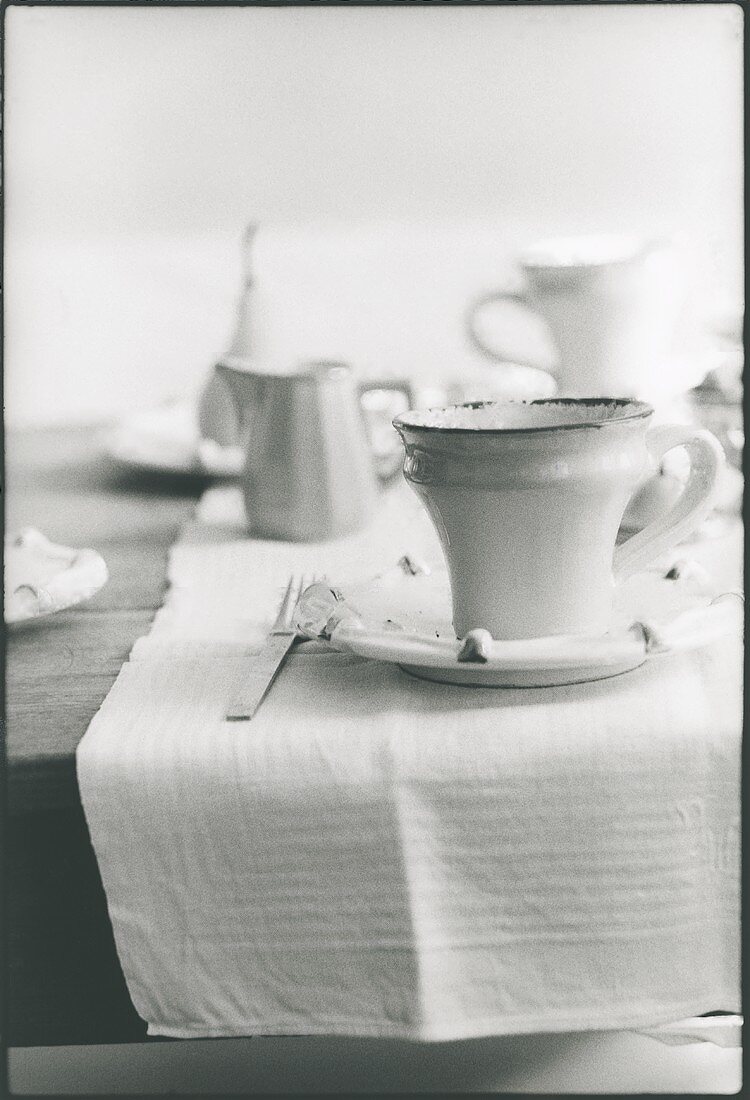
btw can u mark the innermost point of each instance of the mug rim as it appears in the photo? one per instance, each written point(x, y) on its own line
point(305, 370)
point(631, 246)
point(639, 410)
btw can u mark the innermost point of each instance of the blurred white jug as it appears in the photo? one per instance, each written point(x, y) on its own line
point(613, 306)
point(310, 472)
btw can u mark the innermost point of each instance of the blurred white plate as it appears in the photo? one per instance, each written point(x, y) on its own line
point(42, 578)
point(166, 440)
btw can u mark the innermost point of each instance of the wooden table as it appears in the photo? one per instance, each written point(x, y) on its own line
point(64, 983)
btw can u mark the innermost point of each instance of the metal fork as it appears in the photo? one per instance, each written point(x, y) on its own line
point(265, 666)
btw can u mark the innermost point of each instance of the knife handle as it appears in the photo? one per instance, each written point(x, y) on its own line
point(261, 673)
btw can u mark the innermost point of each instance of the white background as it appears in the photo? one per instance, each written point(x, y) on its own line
point(141, 141)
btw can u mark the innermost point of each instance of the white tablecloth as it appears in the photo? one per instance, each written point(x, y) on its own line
point(377, 855)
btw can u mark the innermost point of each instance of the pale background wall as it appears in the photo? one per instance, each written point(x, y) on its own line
point(140, 141)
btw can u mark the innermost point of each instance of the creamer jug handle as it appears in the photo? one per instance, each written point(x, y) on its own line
point(692, 506)
point(377, 413)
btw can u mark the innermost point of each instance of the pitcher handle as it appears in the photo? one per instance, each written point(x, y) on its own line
point(691, 507)
point(519, 298)
point(387, 466)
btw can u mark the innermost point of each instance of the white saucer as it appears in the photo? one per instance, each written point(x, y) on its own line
point(166, 440)
point(405, 619)
point(42, 578)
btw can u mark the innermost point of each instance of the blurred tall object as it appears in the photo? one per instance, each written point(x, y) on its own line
point(218, 416)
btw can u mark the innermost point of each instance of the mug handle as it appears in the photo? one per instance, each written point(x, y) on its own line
point(519, 298)
point(387, 463)
point(691, 507)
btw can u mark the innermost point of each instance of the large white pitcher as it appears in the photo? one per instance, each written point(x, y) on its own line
point(612, 306)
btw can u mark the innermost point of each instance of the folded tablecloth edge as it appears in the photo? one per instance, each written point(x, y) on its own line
point(498, 1026)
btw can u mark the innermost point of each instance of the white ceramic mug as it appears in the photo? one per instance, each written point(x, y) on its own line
point(612, 306)
point(527, 501)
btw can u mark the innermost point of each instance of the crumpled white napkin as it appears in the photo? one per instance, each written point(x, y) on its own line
point(41, 578)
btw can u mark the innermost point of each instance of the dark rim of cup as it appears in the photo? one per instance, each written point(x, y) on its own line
point(638, 410)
